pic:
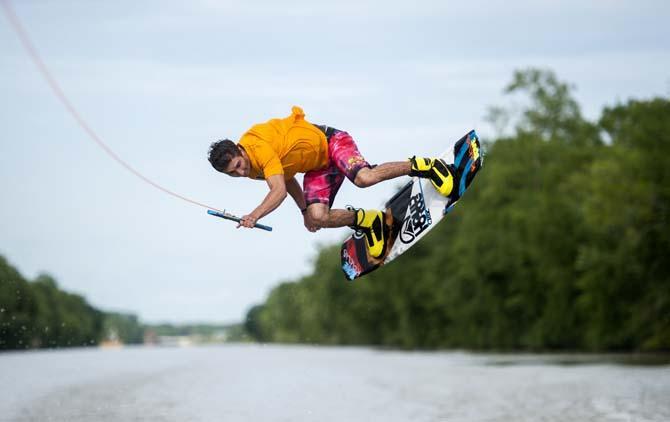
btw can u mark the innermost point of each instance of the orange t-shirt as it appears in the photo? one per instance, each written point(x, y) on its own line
point(285, 146)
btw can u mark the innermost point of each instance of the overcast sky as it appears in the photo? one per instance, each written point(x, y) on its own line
point(160, 80)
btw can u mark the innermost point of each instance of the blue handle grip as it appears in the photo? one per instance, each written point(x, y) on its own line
point(237, 219)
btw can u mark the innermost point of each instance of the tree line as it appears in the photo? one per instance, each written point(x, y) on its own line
point(38, 314)
point(560, 244)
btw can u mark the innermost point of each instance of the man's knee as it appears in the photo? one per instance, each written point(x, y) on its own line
point(319, 215)
point(364, 178)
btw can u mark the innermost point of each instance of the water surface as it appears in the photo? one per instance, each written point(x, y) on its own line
point(298, 383)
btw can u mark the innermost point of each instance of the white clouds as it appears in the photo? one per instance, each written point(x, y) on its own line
point(141, 78)
point(343, 9)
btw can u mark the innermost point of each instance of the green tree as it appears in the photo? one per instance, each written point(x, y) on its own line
point(16, 308)
point(626, 274)
point(126, 327)
point(39, 314)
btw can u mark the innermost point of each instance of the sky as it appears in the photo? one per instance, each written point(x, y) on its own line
point(158, 81)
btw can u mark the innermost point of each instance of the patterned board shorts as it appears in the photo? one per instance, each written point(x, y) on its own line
point(344, 159)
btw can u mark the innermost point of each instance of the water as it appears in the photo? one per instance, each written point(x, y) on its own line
point(284, 383)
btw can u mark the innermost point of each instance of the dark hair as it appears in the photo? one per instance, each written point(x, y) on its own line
point(221, 152)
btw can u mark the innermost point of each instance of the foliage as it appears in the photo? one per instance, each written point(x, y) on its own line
point(38, 314)
point(203, 330)
point(126, 328)
point(625, 277)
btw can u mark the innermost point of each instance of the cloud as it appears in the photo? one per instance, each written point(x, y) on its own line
point(165, 80)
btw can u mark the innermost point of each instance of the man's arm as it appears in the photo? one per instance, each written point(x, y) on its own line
point(294, 189)
point(271, 201)
point(298, 195)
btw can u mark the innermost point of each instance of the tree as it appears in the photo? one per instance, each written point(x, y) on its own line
point(626, 274)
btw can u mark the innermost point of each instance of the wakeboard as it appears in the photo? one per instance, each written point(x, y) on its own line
point(413, 211)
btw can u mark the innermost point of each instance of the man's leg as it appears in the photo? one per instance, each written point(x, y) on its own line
point(369, 176)
point(344, 154)
point(440, 174)
point(368, 222)
point(324, 217)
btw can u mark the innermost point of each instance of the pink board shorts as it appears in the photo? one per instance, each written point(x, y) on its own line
point(344, 159)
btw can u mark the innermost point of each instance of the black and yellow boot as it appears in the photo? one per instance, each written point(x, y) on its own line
point(443, 176)
point(371, 224)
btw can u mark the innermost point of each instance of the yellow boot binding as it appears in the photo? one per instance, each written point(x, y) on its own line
point(371, 224)
point(441, 175)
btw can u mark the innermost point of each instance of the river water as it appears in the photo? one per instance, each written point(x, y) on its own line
point(299, 383)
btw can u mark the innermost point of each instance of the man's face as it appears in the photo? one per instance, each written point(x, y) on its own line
point(238, 167)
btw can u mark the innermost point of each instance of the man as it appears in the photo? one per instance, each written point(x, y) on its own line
point(278, 149)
